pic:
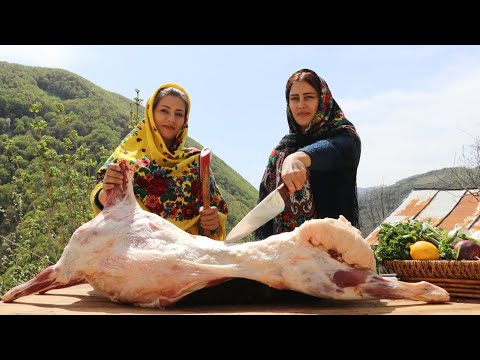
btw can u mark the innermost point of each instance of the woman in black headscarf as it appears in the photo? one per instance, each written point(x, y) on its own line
point(317, 160)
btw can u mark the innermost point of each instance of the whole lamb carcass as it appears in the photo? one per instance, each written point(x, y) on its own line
point(133, 256)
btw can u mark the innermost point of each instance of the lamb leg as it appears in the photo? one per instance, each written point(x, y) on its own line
point(44, 281)
point(311, 269)
point(370, 286)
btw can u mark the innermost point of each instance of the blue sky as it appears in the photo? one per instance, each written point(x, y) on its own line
point(415, 107)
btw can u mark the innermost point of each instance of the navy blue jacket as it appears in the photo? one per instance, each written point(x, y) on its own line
point(333, 177)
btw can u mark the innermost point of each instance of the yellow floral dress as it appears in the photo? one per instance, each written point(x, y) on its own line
point(166, 181)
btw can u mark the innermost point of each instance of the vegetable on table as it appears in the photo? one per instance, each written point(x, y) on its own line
point(467, 250)
point(395, 239)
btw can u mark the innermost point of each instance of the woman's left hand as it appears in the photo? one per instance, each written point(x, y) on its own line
point(209, 218)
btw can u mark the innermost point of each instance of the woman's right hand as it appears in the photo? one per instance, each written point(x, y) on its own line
point(294, 171)
point(113, 176)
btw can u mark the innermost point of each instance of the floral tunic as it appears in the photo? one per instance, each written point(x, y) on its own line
point(166, 181)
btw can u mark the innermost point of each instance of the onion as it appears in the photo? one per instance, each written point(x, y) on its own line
point(467, 250)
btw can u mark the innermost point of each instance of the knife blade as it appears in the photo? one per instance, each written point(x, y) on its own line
point(266, 210)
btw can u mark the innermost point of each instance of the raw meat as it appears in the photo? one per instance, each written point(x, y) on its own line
point(133, 256)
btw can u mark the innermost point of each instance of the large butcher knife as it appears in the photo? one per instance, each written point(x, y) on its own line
point(205, 156)
point(266, 210)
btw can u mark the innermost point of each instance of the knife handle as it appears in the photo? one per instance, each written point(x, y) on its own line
point(283, 191)
point(205, 179)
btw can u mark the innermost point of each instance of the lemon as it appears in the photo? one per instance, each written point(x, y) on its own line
point(424, 250)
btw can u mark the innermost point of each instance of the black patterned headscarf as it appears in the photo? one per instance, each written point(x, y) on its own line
point(328, 120)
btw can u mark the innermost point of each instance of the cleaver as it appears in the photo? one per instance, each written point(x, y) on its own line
point(266, 210)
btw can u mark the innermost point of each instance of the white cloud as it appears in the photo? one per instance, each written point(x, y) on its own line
point(416, 112)
point(57, 56)
point(405, 133)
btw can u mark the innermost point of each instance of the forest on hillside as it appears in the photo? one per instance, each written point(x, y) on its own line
point(57, 129)
point(376, 203)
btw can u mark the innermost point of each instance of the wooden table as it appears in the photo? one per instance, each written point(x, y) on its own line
point(82, 299)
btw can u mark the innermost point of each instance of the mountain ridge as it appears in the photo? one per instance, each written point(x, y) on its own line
point(99, 117)
point(57, 128)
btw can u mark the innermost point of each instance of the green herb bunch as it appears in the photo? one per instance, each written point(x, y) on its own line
point(394, 240)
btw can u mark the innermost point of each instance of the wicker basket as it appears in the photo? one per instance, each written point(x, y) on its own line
point(456, 269)
point(460, 278)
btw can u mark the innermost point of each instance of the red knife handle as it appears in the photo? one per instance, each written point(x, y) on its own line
point(205, 156)
point(283, 190)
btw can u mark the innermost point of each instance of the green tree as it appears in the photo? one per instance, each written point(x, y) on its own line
point(49, 202)
point(135, 118)
point(38, 125)
point(35, 108)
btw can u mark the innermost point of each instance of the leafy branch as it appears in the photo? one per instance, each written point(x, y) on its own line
point(135, 118)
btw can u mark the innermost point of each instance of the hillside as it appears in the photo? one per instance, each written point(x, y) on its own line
point(99, 117)
point(56, 130)
point(377, 203)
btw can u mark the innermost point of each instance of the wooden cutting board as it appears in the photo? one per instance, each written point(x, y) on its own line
point(82, 299)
